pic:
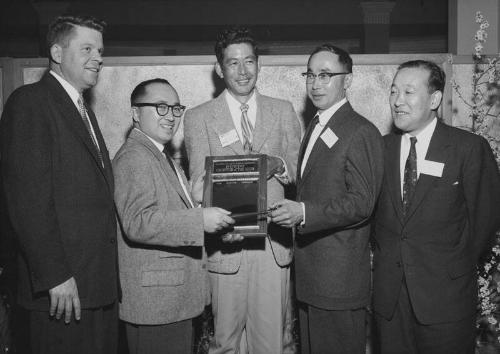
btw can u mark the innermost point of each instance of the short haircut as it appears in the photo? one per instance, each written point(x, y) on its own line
point(234, 35)
point(344, 57)
point(61, 29)
point(437, 77)
point(140, 89)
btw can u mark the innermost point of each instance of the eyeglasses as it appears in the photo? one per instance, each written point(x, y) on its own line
point(323, 78)
point(163, 108)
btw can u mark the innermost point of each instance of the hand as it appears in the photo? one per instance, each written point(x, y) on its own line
point(275, 166)
point(64, 298)
point(215, 219)
point(197, 189)
point(230, 238)
point(287, 214)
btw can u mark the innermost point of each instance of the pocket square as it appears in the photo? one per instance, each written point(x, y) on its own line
point(455, 183)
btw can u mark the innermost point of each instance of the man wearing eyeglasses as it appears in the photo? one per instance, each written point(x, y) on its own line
point(339, 176)
point(160, 252)
point(249, 279)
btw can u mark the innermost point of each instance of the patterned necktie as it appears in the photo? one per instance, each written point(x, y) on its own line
point(307, 136)
point(410, 176)
point(86, 121)
point(246, 129)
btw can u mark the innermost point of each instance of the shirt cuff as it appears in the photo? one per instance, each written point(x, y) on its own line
point(302, 224)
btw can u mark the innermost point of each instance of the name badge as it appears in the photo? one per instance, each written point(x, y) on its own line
point(228, 138)
point(329, 137)
point(432, 168)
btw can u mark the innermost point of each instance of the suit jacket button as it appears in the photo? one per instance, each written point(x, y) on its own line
point(398, 264)
point(112, 240)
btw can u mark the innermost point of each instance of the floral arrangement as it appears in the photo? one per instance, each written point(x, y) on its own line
point(485, 118)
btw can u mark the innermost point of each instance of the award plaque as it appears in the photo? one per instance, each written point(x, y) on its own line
point(238, 184)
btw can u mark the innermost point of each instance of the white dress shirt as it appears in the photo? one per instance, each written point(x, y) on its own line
point(421, 147)
point(235, 110)
point(324, 118)
point(74, 95)
point(181, 181)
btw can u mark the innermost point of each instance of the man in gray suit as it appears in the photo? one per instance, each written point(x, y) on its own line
point(249, 279)
point(161, 256)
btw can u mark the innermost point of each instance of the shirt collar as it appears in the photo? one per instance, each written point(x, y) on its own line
point(233, 103)
point(425, 135)
point(324, 117)
point(72, 92)
point(155, 143)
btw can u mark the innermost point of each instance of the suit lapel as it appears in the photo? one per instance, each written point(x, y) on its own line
point(264, 123)
point(335, 124)
point(436, 152)
point(72, 118)
point(223, 123)
point(393, 174)
point(165, 166)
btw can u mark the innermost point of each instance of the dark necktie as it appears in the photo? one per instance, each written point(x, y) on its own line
point(410, 175)
point(307, 136)
point(246, 129)
point(169, 160)
point(86, 122)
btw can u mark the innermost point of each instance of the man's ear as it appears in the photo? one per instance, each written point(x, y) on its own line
point(218, 70)
point(56, 53)
point(135, 114)
point(436, 98)
point(347, 81)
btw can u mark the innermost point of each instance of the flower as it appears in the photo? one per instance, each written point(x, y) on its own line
point(484, 106)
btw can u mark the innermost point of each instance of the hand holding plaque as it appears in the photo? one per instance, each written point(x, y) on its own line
point(238, 184)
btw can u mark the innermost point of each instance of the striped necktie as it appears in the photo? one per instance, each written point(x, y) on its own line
point(246, 129)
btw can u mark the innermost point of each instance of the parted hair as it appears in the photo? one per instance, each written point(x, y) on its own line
point(61, 29)
point(344, 57)
point(437, 77)
point(234, 35)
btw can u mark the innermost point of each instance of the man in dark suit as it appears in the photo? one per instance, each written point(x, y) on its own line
point(162, 260)
point(437, 214)
point(58, 184)
point(339, 177)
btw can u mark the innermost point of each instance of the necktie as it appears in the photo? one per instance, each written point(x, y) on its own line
point(169, 160)
point(246, 129)
point(86, 121)
point(410, 175)
point(307, 136)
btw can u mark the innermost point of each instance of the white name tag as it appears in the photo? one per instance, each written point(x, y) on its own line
point(432, 168)
point(228, 138)
point(329, 137)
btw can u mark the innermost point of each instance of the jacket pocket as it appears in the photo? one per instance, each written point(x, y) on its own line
point(460, 268)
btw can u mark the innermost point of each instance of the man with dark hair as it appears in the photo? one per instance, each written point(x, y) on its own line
point(338, 181)
point(161, 256)
point(249, 278)
point(437, 214)
point(58, 184)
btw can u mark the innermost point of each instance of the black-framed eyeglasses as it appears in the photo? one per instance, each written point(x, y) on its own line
point(163, 108)
point(323, 78)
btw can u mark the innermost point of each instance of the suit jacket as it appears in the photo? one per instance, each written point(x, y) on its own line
point(161, 257)
point(451, 221)
point(276, 132)
point(59, 197)
point(339, 188)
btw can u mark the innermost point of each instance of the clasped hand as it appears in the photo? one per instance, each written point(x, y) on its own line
point(286, 213)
